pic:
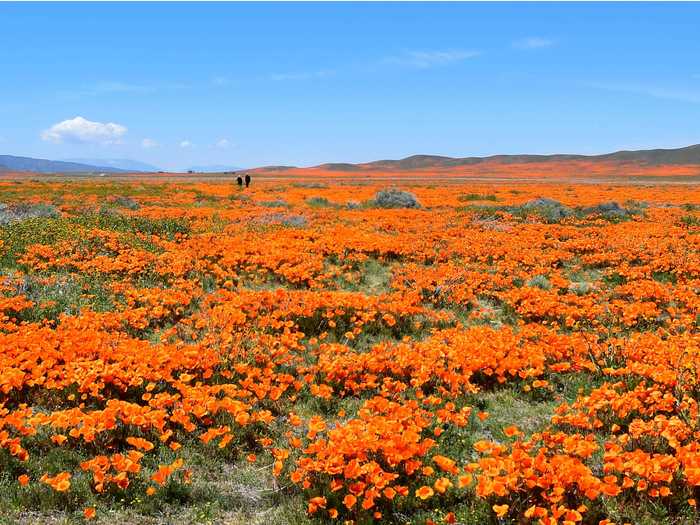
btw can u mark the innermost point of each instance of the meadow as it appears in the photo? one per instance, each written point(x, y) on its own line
point(314, 351)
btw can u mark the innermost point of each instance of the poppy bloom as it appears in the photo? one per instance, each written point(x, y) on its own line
point(500, 510)
point(349, 501)
point(424, 492)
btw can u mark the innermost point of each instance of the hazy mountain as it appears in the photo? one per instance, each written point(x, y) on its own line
point(12, 163)
point(213, 168)
point(122, 164)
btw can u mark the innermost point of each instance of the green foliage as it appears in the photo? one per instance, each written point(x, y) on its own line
point(690, 220)
point(279, 203)
point(540, 281)
point(320, 202)
point(17, 236)
point(125, 202)
point(163, 227)
point(477, 197)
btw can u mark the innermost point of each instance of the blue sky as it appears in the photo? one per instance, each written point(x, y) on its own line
point(255, 84)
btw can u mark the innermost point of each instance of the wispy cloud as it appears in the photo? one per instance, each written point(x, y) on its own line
point(121, 87)
point(679, 95)
point(81, 130)
point(533, 42)
point(221, 80)
point(303, 75)
point(427, 59)
point(110, 87)
point(223, 144)
point(186, 144)
point(149, 144)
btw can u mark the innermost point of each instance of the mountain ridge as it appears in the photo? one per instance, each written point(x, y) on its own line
point(658, 156)
point(688, 155)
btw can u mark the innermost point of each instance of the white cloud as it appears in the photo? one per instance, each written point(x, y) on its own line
point(223, 144)
point(533, 42)
point(426, 59)
point(185, 144)
point(302, 75)
point(81, 130)
point(149, 144)
point(679, 95)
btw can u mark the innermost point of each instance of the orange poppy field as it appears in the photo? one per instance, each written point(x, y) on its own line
point(300, 351)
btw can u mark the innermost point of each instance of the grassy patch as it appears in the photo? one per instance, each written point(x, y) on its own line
point(468, 197)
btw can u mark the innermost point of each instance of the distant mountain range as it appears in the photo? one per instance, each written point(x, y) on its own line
point(678, 156)
point(85, 165)
point(121, 164)
point(12, 163)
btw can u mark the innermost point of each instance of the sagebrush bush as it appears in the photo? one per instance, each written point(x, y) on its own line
point(540, 281)
point(394, 198)
point(23, 211)
point(279, 203)
point(608, 210)
point(311, 185)
point(285, 219)
point(548, 209)
point(125, 202)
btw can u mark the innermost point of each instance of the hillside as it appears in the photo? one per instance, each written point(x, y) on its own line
point(654, 157)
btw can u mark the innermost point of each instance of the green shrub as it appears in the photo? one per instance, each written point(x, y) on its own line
point(540, 281)
point(690, 220)
point(477, 197)
point(320, 202)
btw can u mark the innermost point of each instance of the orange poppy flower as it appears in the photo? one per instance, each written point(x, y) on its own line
point(424, 492)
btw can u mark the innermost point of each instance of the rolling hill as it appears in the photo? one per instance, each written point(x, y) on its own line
point(654, 157)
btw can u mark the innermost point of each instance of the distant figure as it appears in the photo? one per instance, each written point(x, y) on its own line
point(247, 180)
point(239, 180)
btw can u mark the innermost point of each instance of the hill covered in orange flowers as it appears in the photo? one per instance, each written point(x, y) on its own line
point(621, 165)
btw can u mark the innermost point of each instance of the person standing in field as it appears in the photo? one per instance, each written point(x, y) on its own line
point(247, 180)
point(239, 180)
